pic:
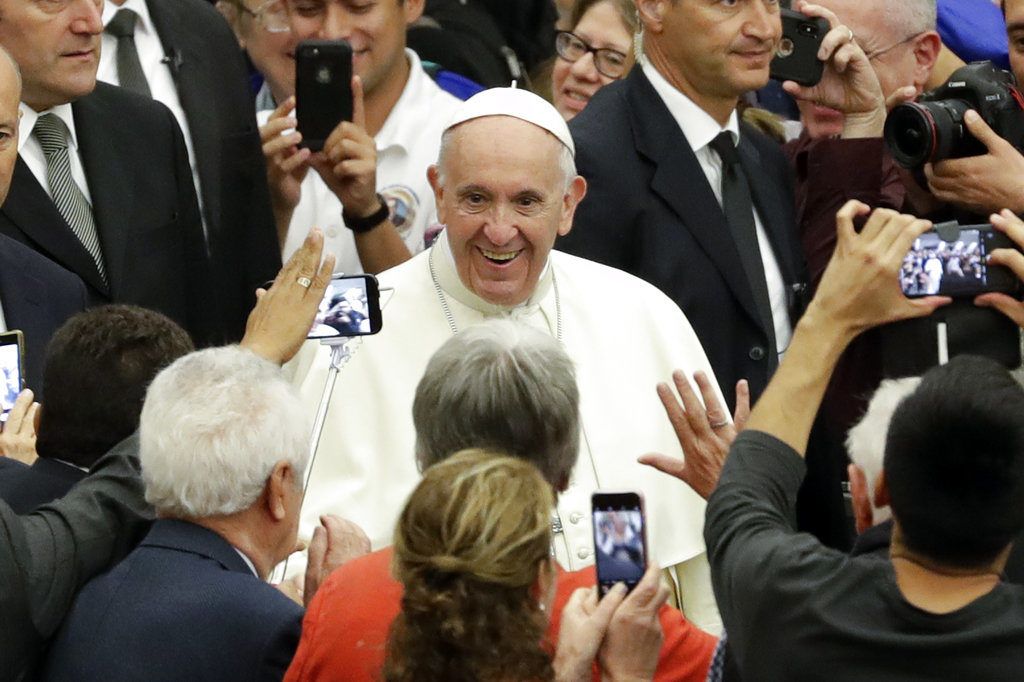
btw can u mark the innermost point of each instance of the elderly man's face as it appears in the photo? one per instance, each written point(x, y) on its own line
point(897, 58)
point(1015, 32)
point(10, 95)
point(504, 200)
point(57, 45)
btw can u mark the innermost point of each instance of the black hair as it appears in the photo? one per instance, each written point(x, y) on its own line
point(954, 463)
point(98, 367)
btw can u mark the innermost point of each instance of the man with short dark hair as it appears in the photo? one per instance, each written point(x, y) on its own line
point(98, 366)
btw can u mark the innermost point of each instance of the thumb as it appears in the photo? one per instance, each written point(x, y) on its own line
point(673, 466)
point(980, 129)
point(607, 606)
point(900, 96)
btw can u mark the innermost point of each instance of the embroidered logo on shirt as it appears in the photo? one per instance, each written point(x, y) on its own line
point(404, 205)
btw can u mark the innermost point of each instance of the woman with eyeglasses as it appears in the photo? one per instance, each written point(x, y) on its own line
point(596, 51)
point(263, 31)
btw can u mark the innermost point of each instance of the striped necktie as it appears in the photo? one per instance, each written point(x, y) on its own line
point(67, 196)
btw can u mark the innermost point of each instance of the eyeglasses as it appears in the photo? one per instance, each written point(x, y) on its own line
point(608, 62)
point(272, 16)
point(878, 53)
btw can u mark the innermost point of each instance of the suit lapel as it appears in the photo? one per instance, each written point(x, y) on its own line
point(680, 182)
point(104, 164)
point(31, 209)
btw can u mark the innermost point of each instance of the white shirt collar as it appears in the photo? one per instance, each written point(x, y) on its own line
point(403, 121)
point(144, 24)
point(29, 116)
point(449, 280)
point(697, 125)
point(248, 562)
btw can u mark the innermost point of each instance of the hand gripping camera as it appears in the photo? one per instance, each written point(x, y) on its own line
point(932, 128)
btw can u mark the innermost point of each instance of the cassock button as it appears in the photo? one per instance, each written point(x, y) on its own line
point(332, 233)
point(583, 553)
point(575, 518)
point(756, 353)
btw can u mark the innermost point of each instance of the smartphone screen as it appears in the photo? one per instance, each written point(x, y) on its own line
point(955, 266)
point(620, 539)
point(323, 89)
point(350, 307)
point(11, 376)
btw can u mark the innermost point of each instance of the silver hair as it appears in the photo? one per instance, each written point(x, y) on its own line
point(865, 443)
point(214, 424)
point(910, 17)
point(566, 161)
point(501, 385)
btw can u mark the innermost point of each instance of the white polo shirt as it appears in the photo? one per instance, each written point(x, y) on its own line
point(406, 145)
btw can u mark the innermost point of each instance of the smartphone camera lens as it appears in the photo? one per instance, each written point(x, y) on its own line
point(785, 48)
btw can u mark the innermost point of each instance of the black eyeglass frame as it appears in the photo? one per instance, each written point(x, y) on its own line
point(563, 41)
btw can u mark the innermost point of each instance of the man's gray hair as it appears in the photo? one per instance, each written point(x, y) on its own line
point(865, 443)
point(909, 17)
point(502, 385)
point(566, 162)
point(213, 426)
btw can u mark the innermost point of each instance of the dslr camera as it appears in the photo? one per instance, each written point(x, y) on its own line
point(932, 128)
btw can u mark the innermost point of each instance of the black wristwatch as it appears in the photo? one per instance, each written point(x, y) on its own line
point(361, 225)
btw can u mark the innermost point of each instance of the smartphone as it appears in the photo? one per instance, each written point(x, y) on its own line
point(796, 57)
point(951, 261)
point(620, 539)
point(350, 307)
point(323, 89)
point(12, 363)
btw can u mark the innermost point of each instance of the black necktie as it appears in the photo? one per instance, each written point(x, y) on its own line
point(739, 213)
point(129, 68)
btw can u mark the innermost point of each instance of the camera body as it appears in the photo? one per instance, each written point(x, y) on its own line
point(932, 128)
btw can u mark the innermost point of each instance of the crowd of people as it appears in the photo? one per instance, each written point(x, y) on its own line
point(618, 260)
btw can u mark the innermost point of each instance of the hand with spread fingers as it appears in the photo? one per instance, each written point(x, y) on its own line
point(283, 315)
point(335, 541)
point(1008, 223)
point(982, 184)
point(704, 431)
point(18, 434)
point(287, 164)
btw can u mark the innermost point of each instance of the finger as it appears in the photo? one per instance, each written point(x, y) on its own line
point(673, 466)
point(982, 131)
point(1007, 305)
point(305, 260)
point(296, 160)
point(1009, 224)
point(282, 144)
point(1008, 258)
point(646, 590)
point(902, 232)
point(843, 56)
point(742, 413)
point(844, 219)
point(283, 109)
point(876, 223)
point(352, 147)
point(923, 307)
point(900, 96)
point(676, 416)
point(273, 128)
point(576, 599)
point(16, 416)
point(696, 415)
point(606, 608)
point(315, 555)
point(716, 413)
point(29, 423)
point(358, 109)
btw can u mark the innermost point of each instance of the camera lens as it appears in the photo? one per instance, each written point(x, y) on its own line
point(921, 132)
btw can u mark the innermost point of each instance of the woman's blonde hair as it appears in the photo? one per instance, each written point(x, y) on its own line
point(469, 547)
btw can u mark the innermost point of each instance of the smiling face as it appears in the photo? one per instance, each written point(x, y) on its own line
point(504, 200)
point(574, 83)
point(57, 45)
point(272, 53)
point(712, 50)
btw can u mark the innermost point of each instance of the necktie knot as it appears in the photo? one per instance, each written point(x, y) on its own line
point(123, 24)
point(726, 149)
point(51, 133)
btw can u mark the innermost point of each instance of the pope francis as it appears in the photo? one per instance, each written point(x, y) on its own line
point(506, 186)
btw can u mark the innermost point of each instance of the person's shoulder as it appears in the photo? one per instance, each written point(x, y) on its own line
point(605, 119)
point(615, 282)
point(364, 578)
point(410, 269)
point(21, 257)
point(133, 113)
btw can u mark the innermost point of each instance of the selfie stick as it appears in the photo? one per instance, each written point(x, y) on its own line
point(340, 354)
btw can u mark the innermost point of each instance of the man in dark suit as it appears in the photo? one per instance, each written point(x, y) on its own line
point(190, 61)
point(98, 367)
point(102, 184)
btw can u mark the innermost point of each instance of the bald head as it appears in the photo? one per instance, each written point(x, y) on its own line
point(10, 96)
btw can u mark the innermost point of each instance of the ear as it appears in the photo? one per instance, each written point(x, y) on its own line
point(230, 12)
point(863, 518)
point(434, 178)
point(926, 53)
point(280, 482)
point(572, 198)
point(882, 498)
point(543, 589)
point(651, 13)
point(413, 10)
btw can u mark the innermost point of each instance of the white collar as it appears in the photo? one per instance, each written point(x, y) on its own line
point(404, 123)
point(29, 116)
point(144, 24)
point(248, 562)
point(450, 282)
point(697, 125)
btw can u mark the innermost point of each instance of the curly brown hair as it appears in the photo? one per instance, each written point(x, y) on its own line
point(469, 547)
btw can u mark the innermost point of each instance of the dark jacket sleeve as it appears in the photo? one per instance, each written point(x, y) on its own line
point(46, 556)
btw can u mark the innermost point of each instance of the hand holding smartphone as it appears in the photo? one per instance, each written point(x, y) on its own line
point(952, 260)
point(796, 57)
point(620, 539)
point(12, 363)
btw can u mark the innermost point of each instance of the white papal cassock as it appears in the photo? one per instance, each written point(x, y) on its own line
point(624, 336)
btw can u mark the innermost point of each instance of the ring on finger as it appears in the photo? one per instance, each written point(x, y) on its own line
point(304, 282)
point(850, 31)
point(718, 425)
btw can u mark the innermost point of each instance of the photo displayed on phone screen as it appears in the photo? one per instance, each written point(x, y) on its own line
point(350, 307)
point(937, 267)
point(619, 546)
point(10, 377)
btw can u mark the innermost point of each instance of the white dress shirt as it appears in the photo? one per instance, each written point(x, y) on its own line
point(32, 151)
point(3, 322)
point(157, 69)
point(700, 130)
